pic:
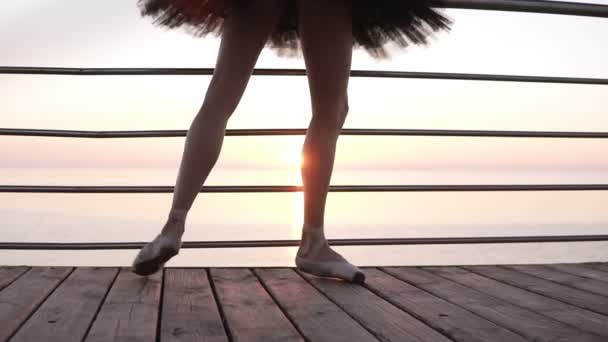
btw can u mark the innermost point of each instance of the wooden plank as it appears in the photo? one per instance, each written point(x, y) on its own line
point(68, 312)
point(250, 312)
point(583, 319)
point(602, 266)
point(582, 271)
point(586, 284)
point(524, 322)
point(130, 311)
point(8, 274)
point(23, 296)
point(386, 321)
point(190, 311)
point(544, 287)
point(452, 320)
point(316, 316)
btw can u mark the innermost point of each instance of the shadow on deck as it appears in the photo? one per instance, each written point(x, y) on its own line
point(565, 302)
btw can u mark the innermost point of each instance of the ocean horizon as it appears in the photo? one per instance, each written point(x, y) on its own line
point(73, 217)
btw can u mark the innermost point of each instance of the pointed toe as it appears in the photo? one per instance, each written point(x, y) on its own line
point(153, 256)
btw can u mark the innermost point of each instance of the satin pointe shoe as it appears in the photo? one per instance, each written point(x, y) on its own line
point(336, 269)
point(316, 257)
point(152, 257)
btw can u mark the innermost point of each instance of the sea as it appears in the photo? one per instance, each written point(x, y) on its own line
point(74, 217)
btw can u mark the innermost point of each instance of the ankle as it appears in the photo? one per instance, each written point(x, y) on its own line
point(313, 241)
point(175, 223)
point(315, 232)
point(173, 229)
point(312, 227)
point(177, 215)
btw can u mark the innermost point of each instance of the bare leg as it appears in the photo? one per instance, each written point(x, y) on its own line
point(326, 33)
point(245, 33)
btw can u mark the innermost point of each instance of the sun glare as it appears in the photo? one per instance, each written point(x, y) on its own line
point(293, 160)
point(291, 154)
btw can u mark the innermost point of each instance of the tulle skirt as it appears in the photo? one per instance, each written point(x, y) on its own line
point(375, 22)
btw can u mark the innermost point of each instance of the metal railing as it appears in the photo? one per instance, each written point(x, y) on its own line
point(297, 131)
point(533, 6)
point(295, 188)
point(298, 72)
point(295, 243)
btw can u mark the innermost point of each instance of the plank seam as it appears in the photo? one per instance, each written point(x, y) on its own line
point(567, 271)
point(556, 282)
point(539, 293)
point(159, 315)
point(40, 304)
point(411, 313)
point(517, 305)
point(599, 266)
point(216, 298)
point(19, 276)
point(298, 272)
point(101, 303)
point(455, 304)
point(283, 310)
point(590, 266)
point(561, 283)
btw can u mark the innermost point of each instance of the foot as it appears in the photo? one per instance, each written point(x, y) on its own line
point(153, 256)
point(316, 257)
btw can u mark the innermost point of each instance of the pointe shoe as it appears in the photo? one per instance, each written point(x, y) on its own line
point(152, 257)
point(312, 246)
point(336, 269)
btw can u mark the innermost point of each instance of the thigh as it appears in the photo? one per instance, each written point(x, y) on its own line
point(245, 32)
point(325, 28)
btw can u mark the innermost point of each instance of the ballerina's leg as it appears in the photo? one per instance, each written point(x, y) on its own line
point(326, 36)
point(245, 32)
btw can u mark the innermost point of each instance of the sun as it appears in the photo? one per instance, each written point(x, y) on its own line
point(291, 154)
point(293, 159)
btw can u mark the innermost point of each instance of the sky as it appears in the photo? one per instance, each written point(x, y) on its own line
point(73, 33)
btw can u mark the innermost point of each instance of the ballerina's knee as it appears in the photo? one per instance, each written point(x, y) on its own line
point(332, 117)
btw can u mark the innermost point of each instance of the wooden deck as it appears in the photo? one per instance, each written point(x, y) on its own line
point(565, 302)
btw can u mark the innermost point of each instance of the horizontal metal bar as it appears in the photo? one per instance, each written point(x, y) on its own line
point(295, 243)
point(295, 188)
point(298, 72)
point(299, 131)
point(532, 6)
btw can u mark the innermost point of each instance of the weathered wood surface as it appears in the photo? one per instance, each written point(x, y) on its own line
point(251, 314)
point(545, 272)
point(19, 299)
point(9, 273)
point(130, 311)
point(525, 322)
point(564, 293)
point(68, 312)
point(319, 319)
point(582, 270)
point(560, 311)
point(602, 266)
point(387, 321)
point(452, 320)
point(190, 311)
point(562, 302)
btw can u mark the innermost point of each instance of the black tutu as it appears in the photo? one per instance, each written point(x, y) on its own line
point(375, 22)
